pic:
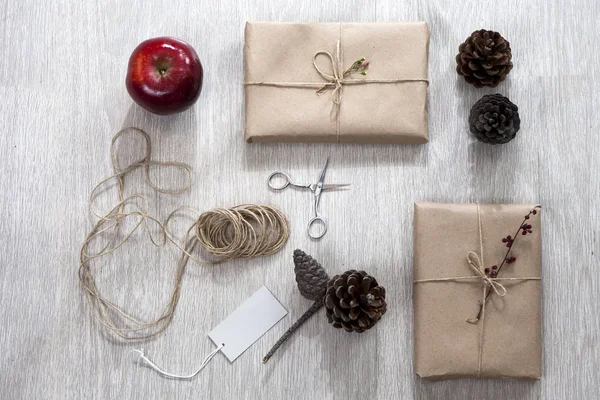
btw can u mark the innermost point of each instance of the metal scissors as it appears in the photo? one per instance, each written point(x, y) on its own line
point(316, 188)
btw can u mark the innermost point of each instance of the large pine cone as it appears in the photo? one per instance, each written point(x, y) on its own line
point(494, 119)
point(354, 301)
point(310, 276)
point(484, 59)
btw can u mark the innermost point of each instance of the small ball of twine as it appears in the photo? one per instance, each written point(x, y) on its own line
point(244, 231)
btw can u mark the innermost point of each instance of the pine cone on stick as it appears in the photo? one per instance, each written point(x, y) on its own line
point(354, 300)
point(484, 59)
point(312, 283)
point(310, 276)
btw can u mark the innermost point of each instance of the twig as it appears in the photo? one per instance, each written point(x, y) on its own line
point(503, 262)
point(313, 309)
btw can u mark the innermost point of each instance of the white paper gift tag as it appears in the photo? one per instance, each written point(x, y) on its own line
point(248, 323)
point(237, 332)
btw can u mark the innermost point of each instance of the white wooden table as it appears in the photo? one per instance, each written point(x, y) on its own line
point(63, 97)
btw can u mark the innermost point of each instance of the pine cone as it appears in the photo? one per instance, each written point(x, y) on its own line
point(354, 301)
point(310, 276)
point(494, 119)
point(484, 59)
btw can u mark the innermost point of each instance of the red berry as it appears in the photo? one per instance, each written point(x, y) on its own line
point(527, 217)
point(494, 267)
point(534, 212)
point(509, 237)
point(487, 270)
point(524, 233)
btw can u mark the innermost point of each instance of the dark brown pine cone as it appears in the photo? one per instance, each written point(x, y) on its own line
point(310, 276)
point(484, 59)
point(494, 119)
point(354, 301)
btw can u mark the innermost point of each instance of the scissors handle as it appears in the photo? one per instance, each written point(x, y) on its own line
point(312, 226)
point(287, 181)
point(278, 174)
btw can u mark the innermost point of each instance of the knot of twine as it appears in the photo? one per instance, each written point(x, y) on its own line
point(477, 264)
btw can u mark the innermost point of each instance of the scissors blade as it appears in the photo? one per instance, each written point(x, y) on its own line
point(319, 187)
point(322, 177)
point(335, 186)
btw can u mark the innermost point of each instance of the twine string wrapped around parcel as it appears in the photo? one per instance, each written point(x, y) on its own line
point(244, 231)
point(488, 283)
point(336, 80)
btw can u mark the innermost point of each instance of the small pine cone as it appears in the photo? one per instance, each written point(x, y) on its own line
point(494, 119)
point(354, 301)
point(310, 276)
point(484, 59)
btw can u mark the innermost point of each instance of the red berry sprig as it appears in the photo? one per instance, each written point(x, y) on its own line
point(509, 240)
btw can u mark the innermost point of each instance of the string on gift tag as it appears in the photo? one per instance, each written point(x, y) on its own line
point(244, 231)
point(175, 376)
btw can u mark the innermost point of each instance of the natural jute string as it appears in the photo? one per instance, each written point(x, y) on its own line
point(240, 232)
point(244, 231)
point(477, 264)
point(334, 80)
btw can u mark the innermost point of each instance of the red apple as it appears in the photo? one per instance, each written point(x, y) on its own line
point(164, 75)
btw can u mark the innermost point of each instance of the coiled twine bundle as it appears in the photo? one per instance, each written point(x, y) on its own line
point(244, 231)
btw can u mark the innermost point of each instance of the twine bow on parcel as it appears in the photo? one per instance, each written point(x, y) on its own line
point(336, 80)
point(488, 283)
point(477, 266)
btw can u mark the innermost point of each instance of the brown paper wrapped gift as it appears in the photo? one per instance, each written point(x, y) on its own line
point(287, 63)
point(506, 341)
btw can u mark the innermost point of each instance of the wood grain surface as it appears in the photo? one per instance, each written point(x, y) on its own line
point(63, 97)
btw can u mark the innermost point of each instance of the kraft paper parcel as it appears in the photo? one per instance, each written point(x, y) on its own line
point(446, 346)
point(281, 82)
